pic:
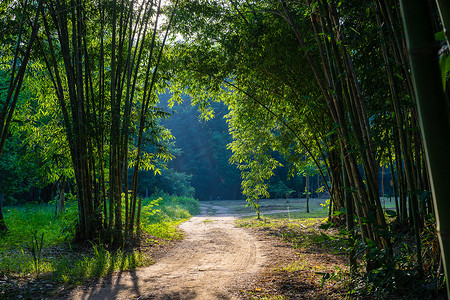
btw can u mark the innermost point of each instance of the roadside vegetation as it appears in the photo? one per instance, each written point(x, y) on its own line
point(310, 264)
point(346, 99)
point(318, 264)
point(38, 258)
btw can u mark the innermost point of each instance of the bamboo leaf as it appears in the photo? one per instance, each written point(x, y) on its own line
point(439, 36)
point(444, 64)
point(391, 213)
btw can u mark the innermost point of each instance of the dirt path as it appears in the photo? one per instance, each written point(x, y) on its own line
point(213, 256)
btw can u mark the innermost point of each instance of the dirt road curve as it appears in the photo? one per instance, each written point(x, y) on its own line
point(205, 265)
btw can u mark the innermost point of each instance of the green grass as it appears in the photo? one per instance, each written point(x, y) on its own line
point(251, 294)
point(296, 206)
point(270, 206)
point(160, 216)
point(73, 269)
point(100, 263)
point(69, 264)
point(211, 211)
point(274, 222)
point(295, 266)
point(300, 233)
point(165, 230)
point(312, 245)
point(298, 215)
point(21, 221)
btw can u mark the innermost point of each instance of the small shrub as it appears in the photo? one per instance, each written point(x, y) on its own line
point(36, 250)
point(160, 215)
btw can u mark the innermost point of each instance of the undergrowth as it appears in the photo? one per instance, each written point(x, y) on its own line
point(311, 267)
point(23, 220)
point(38, 242)
point(161, 215)
point(396, 277)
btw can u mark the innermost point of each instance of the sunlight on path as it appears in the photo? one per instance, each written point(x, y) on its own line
point(214, 255)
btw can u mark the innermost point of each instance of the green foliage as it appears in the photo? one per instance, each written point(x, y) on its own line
point(161, 215)
point(339, 275)
point(36, 250)
point(102, 262)
point(203, 150)
point(18, 174)
point(36, 152)
point(22, 220)
point(326, 205)
point(169, 181)
point(166, 210)
point(397, 274)
point(444, 61)
point(21, 257)
point(254, 65)
point(69, 218)
point(297, 215)
point(280, 190)
point(245, 55)
point(43, 138)
point(444, 64)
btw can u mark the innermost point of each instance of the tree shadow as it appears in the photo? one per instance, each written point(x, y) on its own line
point(184, 294)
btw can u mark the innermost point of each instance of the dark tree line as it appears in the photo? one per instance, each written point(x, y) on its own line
point(204, 152)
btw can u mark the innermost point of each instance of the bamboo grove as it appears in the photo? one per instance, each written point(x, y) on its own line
point(324, 83)
point(330, 83)
point(100, 60)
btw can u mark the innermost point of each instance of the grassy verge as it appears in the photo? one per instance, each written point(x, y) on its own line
point(161, 215)
point(304, 233)
point(311, 262)
point(316, 266)
point(63, 264)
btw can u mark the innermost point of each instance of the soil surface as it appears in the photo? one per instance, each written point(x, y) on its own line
point(209, 263)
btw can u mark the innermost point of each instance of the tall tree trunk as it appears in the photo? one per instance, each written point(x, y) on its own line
point(307, 191)
point(346, 107)
point(393, 182)
point(62, 187)
point(349, 207)
point(145, 105)
point(432, 109)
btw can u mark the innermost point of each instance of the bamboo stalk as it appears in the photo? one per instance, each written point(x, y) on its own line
point(444, 12)
point(433, 119)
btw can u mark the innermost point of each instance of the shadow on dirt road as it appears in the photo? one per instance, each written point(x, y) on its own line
point(205, 265)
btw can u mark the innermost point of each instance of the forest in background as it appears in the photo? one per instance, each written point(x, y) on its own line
point(343, 91)
point(200, 168)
